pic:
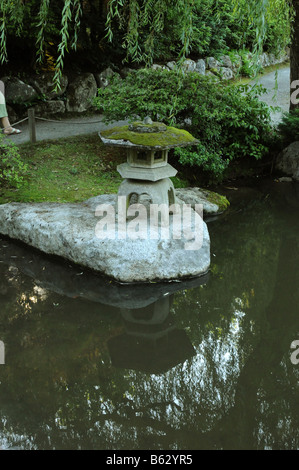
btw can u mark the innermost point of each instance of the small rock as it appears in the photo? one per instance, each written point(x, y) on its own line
point(288, 161)
point(50, 108)
point(212, 63)
point(172, 65)
point(226, 61)
point(226, 73)
point(200, 67)
point(188, 121)
point(189, 65)
point(103, 78)
point(264, 60)
point(81, 92)
point(156, 67)
point(285, 179)
point(148, 120)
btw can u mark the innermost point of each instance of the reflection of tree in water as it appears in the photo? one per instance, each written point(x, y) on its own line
point(60, 388)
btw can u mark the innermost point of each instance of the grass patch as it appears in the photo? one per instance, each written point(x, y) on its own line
point(67, 170)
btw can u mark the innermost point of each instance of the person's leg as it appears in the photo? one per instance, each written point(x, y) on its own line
point(3, 113)
point(7, 128)
point(6, 125)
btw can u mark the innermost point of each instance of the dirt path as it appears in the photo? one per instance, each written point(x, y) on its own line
point(89, 125)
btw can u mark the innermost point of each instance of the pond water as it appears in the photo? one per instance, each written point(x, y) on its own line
point(203, 364)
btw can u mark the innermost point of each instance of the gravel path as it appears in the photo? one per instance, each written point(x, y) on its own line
point(279, 97)
point(63, 128)
point(90, 125)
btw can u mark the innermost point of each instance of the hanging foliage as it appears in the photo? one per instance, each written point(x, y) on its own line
point(141, 27)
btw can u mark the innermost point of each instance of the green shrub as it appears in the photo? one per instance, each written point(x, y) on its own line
point(229, 121)
point(288, 128)
point(248, 68)
point(12, 168)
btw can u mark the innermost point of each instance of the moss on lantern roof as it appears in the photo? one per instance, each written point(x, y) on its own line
point(169, 137)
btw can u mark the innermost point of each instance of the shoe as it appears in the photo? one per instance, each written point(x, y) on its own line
point(13, 131)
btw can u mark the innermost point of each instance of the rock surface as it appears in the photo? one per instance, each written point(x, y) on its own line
point(103, 78)
point(50, 108)
point(71, 231)
point(212, 63)
point(212, 203)
point(226, 73)
point(17, 91)
point(226, 61)
point(201, 67)
point(288, 161)
point(189, 65)
point(43, 83)
point(81, 92)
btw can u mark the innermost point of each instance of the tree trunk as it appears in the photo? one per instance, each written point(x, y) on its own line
point(294, 102)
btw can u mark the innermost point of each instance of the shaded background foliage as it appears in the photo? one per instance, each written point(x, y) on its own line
point(229, 121)
point(76, 33)
point(88, 35)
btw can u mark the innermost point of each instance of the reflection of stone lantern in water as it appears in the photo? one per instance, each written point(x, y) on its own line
point(151, 342)
point(147, 172)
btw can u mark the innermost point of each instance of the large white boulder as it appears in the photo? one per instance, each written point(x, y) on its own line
point(72, 232)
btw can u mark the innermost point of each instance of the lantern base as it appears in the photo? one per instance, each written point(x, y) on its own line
point(148, 192)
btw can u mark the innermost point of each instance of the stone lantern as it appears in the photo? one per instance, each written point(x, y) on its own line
point(147, 172)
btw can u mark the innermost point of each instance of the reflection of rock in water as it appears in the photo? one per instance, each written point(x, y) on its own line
point(69, 280)
point(151, 342)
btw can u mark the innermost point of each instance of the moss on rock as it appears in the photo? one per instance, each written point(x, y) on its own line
point(215, 198)
point(169, 138)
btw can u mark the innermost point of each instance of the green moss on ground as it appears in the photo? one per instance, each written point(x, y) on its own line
point(75, 169)
point(67, 170)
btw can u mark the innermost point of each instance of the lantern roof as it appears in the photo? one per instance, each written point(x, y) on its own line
point(147, 135)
